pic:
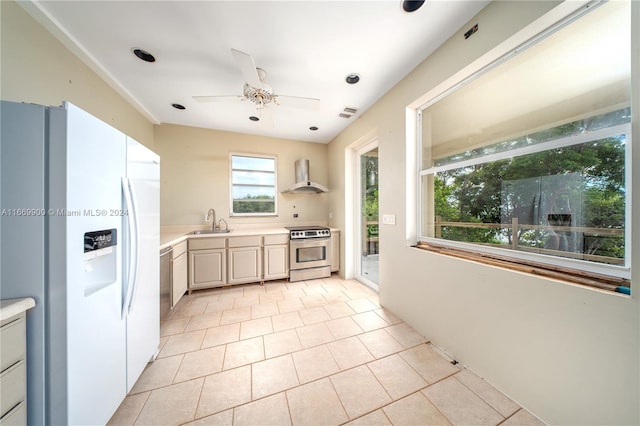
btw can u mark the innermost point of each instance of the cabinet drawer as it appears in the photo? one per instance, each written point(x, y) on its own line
point(248, 241)
point(270, 240)
point(13, 387)
point(179, 249)
point(17, 416)
point(12, 342)
point(206, 243)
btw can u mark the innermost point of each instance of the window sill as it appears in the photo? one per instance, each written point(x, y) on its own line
point(574, 276)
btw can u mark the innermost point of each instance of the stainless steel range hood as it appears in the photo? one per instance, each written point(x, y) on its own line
point(303, 185)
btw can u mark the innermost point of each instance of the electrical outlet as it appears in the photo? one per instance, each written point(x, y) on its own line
point(389, 219)
point(295, 215)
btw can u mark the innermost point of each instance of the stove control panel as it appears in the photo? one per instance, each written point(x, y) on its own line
point(313, 233)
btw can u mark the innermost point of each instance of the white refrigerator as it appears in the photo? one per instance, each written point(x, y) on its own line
point(79, 233)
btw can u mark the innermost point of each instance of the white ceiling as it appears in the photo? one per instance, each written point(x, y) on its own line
point(307, 49)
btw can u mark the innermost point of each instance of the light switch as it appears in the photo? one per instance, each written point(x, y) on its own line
point(389, 219)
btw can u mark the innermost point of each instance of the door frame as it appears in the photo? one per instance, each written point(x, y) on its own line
point(353, 194)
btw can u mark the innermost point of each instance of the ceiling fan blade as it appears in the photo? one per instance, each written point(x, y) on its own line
point(230, 98)
point(298, 102)
point(248, 68)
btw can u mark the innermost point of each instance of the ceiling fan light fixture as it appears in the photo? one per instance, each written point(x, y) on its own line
point(352, 78)
point(260, 96)
point(178, 106)
point(143, 55)
point(411, 6)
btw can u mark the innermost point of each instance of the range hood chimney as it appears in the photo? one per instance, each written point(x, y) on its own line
point(303, 185)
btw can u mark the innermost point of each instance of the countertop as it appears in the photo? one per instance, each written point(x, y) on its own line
point(173, 237)
point(11, 307)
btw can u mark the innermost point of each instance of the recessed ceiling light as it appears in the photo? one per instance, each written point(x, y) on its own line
point(412, 5)
point(352, 78)
point(254, 118)
point(178, 106)
point(143, 54)
point(314, 128)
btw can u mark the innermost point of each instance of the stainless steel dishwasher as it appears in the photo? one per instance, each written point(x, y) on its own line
point(166, 279)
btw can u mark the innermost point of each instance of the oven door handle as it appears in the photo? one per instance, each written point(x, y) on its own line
point(307, 241)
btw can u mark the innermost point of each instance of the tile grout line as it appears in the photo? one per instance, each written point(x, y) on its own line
point(480, 396)
point(511, 415)
point(377, 306)
point(142, 407)
point(195, 412)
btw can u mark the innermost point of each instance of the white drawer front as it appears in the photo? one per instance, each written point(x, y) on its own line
point(270, 240)
point(12, 343)
point(13, 387)
point(17, 416)
point(179, 249)
point(248, 241)
point(207, 243)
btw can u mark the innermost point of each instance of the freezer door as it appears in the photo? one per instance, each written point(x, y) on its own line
point(142, 230)
point(88, 292)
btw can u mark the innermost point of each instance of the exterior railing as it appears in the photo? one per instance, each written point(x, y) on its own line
point(515, 228)
point(370, 243)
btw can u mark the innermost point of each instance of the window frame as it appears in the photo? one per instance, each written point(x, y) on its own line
point(546, 265)
point(232, 185)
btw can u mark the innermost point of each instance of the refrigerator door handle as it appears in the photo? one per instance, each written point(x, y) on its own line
point(136, 253)
point(133, 252)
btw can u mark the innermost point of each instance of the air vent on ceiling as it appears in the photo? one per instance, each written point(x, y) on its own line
point(348, 112)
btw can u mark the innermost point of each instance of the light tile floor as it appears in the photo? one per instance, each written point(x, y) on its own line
point(320, 352)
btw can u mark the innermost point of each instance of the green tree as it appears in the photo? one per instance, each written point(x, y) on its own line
point(474, 194)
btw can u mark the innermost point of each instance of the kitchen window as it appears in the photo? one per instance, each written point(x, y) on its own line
point(253, 185)
point(526, 164)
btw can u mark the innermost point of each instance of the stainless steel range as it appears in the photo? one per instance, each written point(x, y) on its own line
point(309, 252)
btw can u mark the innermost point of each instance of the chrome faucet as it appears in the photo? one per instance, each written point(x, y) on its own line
point(226, 225)
point(212, 213)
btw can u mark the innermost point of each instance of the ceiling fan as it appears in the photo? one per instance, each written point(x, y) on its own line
point(257, 91)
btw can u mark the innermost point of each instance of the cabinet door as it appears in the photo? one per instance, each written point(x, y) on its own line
point(335, 251)
point(207, 268)
point(245, 265)
point(179, 278)
point(276, 261)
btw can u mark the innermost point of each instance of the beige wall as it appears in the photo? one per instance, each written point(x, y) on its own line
point(568, 354)
point(37, 68)
point(195, 175)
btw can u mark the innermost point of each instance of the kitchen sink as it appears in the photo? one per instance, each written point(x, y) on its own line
point(210, 231)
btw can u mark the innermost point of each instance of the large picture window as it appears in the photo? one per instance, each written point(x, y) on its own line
point(530, 158)
point(253, 185)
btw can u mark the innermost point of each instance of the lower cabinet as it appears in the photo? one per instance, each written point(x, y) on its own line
point(180, 273)
point(13, 371)
point(219, 261)
point(276, 257)
point(335, 251)
point(207, 263)
point(245, 264)
point(244, 257)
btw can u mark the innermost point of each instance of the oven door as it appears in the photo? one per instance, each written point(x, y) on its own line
point(309, 253)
